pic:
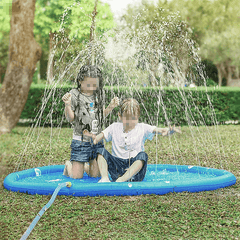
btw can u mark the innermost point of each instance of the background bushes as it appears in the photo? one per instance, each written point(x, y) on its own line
point(187, 106)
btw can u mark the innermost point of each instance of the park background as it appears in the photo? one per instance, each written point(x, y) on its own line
point(214, 28)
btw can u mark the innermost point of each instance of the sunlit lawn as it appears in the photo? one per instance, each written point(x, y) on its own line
point(204, 215)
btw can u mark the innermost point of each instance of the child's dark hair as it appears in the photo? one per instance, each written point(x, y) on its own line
point(89, 71)
point(93, 72)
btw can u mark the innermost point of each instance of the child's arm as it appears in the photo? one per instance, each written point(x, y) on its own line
point(68, 110)
point(114, 103)
point(162, 131)
point(167, 131)
point(98, 138)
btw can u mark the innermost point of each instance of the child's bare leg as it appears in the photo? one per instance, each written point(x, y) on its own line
point(86, 168)
point(103, 168)
point(68, 169)
point(93, 169)
point(77, 169)
point(133, 170)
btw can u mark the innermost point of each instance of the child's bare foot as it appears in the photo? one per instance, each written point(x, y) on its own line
point(104, 180)
point(174, 129)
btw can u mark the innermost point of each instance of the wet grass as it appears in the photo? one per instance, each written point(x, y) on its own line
point(203, 215)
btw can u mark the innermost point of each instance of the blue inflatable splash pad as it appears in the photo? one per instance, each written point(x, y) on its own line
point(160, 179)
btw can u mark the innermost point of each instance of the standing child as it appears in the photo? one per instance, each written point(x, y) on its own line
point(84, 107)
point(128, 160)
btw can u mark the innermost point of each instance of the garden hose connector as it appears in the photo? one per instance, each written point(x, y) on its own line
point(68, 184)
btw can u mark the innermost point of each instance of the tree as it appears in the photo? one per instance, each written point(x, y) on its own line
point(63, 27)
point(215, 27)
point(163, 41)
point(223, 50)
point(24, 53)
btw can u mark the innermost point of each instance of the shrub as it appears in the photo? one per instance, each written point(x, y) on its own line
point(210, 83)
point(194, 106)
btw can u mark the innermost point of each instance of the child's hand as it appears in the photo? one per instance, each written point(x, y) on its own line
point(177, 130)
point(114, 102)
point(98, 138)
point(93, 137)
point(67, 98)
point(174, 129)
point(164, 132)
point(87, 133)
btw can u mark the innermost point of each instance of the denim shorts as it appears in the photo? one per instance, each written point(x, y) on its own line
point(84, 151)
point(117, 166)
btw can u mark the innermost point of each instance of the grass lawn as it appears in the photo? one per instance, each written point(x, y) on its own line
point(203, 215)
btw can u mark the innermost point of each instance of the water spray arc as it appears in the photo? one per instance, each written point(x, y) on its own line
point(91, 60)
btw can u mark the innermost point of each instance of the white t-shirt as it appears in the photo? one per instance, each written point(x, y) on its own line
point(128, 145)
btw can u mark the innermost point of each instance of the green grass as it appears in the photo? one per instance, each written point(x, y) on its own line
point(203, 215)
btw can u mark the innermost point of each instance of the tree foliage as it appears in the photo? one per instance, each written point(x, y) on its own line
point(215, 27)
point(5, 15)
point(63, 27)
point(164, 42)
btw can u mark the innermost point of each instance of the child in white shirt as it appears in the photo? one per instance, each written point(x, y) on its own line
point(128, 161)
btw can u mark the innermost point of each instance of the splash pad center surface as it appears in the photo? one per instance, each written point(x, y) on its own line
point(160, 179)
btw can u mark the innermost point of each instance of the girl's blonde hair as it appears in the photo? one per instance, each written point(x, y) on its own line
point(130, 106)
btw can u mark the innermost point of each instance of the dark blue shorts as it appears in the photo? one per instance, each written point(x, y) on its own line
point(117, 166)
point(84, 151)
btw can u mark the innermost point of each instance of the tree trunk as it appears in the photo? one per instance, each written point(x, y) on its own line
point(220, 76)
point(228, 72)
point(24, 53)
point(237, 72)
point(229, 75)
